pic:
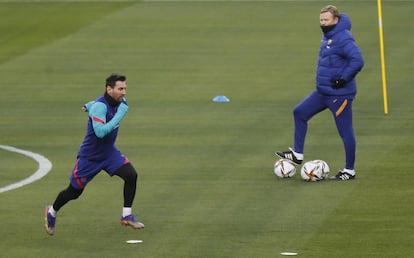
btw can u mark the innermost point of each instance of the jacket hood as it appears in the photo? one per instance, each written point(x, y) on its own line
point(344, 23)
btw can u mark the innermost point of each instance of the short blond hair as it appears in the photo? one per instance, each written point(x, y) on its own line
point(331, 9)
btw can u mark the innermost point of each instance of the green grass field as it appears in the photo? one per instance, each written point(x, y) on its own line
point(206, 185)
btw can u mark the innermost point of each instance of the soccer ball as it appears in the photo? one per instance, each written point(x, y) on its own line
point(315, 170)
point(324, 166)
point(284, 168)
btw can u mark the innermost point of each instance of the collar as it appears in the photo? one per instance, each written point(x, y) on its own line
point(111, 101)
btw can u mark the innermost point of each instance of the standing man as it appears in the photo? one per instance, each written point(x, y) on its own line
point(98, 152)
point(339, 62)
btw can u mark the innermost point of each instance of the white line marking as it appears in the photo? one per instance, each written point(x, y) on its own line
point(44, 167)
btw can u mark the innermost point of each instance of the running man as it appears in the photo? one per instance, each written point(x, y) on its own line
point(98, 152)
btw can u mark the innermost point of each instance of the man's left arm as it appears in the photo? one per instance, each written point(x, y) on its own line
point(355, 61)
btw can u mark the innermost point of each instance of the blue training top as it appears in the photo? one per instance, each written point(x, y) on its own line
point(102, 130)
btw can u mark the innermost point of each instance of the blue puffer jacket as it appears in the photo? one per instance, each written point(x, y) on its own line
point(339, 58)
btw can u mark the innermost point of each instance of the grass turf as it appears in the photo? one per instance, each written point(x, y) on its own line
point(206, 187)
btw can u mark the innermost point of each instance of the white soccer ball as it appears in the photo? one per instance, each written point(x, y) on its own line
point(315, 170)
point(324, 166)
point(284, 168)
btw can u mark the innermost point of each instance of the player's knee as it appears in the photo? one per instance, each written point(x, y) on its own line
point(128, 173)
point(298, 113)
point(301, 113)
point(132, 176)
point(73, 193)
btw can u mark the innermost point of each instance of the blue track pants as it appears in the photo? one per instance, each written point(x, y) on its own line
point(341, 109)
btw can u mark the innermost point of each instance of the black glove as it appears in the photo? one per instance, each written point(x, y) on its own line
point(338, 83)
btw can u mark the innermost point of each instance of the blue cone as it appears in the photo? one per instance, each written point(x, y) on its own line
point(221, 98)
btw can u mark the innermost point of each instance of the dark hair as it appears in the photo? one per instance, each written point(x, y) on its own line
point(113, 78)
